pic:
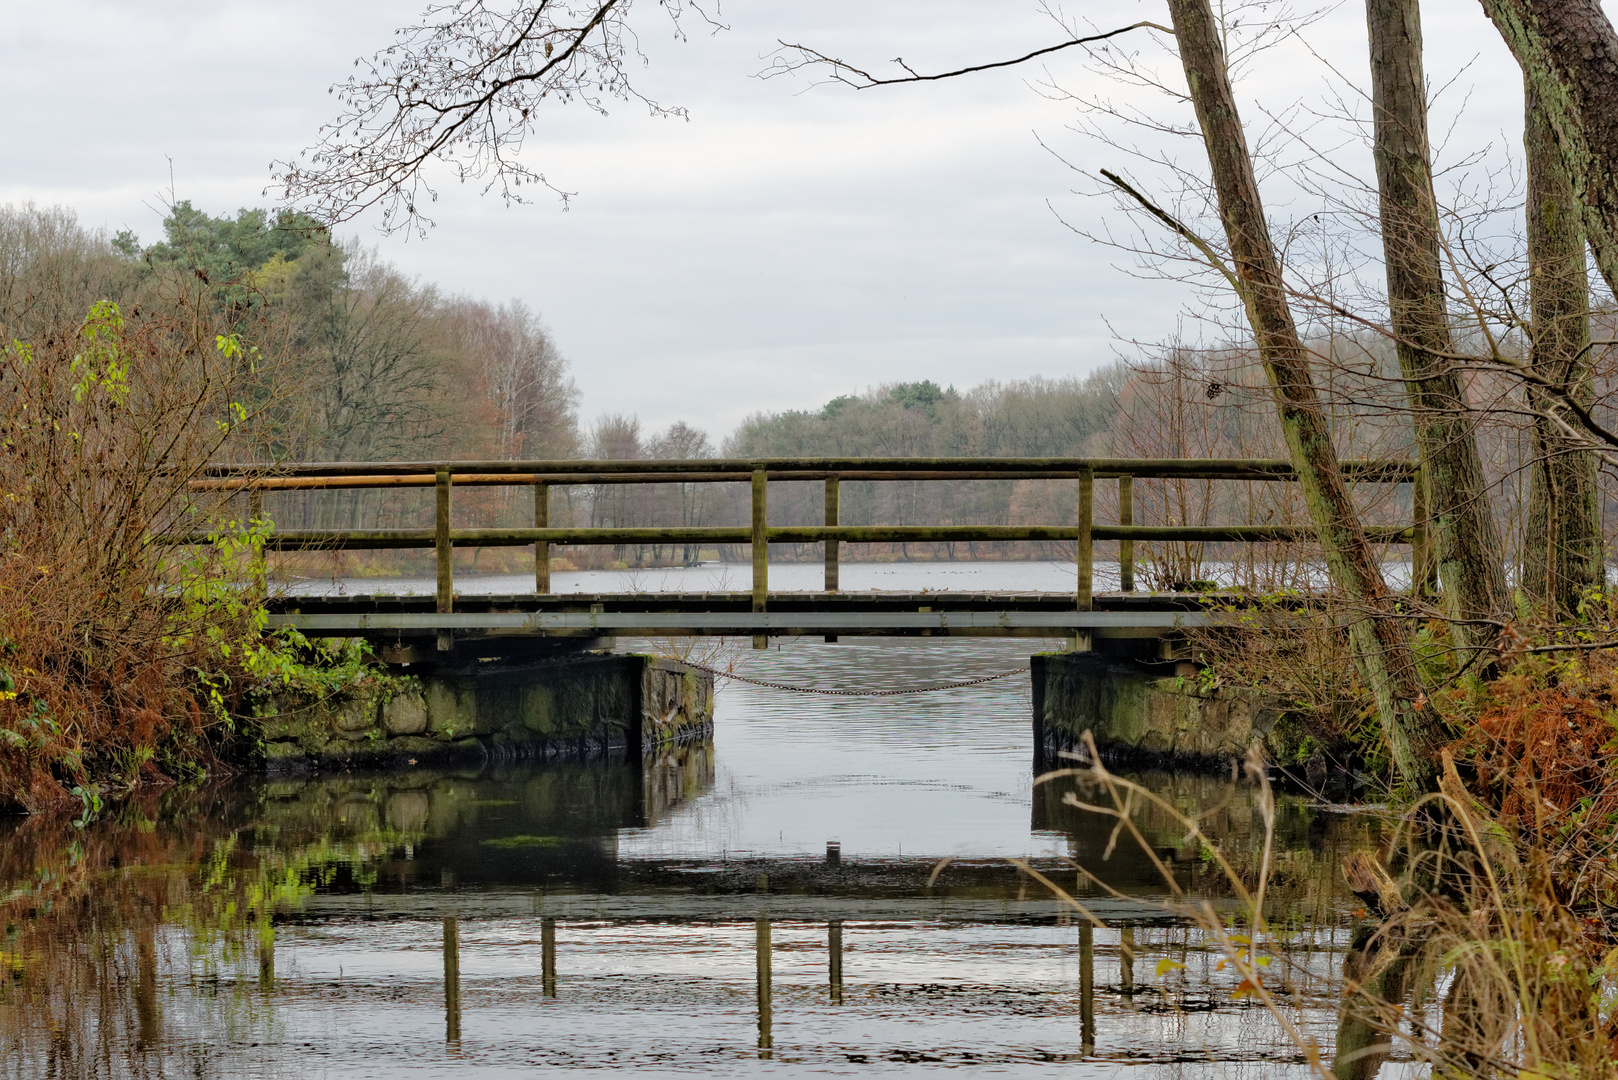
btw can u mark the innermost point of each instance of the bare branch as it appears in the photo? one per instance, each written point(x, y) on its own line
point(1178, 228)
point(844, 72)
point(462, 89)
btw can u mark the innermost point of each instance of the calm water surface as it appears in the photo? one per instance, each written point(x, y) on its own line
point(1032, 576)
point(387, 924)
point(1029, 576)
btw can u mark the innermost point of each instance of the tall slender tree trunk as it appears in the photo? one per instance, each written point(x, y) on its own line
point(1381, 644)
point(1471, 565)
point(1569, 54)
point(1562, 549)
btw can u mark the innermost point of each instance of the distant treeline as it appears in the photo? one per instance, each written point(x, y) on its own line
point(354, 360)
point(348, 359)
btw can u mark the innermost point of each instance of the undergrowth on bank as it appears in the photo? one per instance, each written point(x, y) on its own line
point(126, 658)
point(1487, 944)
point(1488, 938)
point(1488, 951)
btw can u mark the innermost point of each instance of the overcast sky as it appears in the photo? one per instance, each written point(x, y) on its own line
point(787, 244)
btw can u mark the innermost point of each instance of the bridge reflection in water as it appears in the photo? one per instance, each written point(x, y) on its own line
point(521, 853)
point(517, 878)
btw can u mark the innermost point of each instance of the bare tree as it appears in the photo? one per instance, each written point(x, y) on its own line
point(1382, 648)
point(693, 502)
point(531, 400)
point(362, 334)
point(1562, 556)
point(1470, 556)
point(1569, 55)
point(615, 437)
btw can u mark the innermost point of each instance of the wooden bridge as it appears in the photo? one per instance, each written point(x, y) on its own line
point(758, 612)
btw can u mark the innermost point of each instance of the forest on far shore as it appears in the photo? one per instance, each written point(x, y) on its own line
point(358, 361)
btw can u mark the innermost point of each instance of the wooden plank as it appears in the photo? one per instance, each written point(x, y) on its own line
point(452, 980)
point(542, 548)
point(833, 495)
point(665, 905)
point(791, 468)
point(760, 544)
point(1126, 547)
point(833, 546)
point(1084, 556)
point(547, 957)
point(958, 533)
point(765, 982)
point(323, 483)
point(295, 539)
point(1087, 987)
point(446, 554)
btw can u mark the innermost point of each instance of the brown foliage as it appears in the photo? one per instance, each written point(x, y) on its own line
point(103, 640)
point(1546, 751)
point(1544, 763)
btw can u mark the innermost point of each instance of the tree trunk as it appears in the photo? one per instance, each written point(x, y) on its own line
point(1471, 567)
point(1569, 54)
point(1562, 551)
point(1381, 644)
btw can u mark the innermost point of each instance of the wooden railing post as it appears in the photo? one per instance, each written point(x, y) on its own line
point(833, 547)
point(542, 549)
point(1084, 593)
point(1126, 548)
point(761, 552)
point(446, 558)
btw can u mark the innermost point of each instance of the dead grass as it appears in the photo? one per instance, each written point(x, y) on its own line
point(1486, 956)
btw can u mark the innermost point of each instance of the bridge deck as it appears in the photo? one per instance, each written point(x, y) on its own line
point(993, 614)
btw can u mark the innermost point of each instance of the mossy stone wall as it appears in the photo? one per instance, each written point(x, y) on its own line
point(1135, 712)
point(590, 705)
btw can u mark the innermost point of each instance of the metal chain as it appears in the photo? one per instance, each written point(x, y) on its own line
point(851, 693)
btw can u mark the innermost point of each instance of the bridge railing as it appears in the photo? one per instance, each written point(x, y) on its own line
point(542, 476)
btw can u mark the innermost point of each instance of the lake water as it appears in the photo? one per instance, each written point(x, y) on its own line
point(379, 925)
point(1033, 576)
point(1029, 576)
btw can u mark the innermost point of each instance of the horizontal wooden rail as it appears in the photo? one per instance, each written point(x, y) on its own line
point(711, 470)
point(343, 483)
point(917, 534)
point(335, 483)
point(365, 539)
